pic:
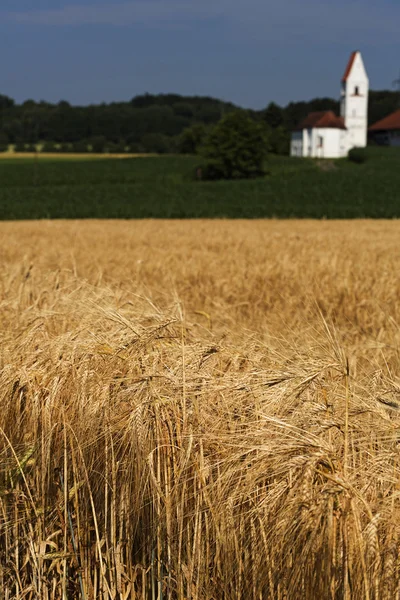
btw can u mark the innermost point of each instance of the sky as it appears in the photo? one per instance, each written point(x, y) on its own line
point(250, 52)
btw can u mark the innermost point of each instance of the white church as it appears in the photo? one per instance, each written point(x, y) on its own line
point(325, 135)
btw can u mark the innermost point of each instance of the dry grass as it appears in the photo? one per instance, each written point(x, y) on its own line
point(199, 410)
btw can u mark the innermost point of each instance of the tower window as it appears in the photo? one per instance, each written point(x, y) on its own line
point(356, 91)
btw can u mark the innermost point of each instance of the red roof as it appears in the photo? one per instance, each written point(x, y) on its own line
point(323, 119)
point(349, 66)
point(392, 121)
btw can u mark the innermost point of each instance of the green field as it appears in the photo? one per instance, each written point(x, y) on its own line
point(164, 187)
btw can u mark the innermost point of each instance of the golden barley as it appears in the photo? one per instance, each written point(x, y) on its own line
point(204, 410)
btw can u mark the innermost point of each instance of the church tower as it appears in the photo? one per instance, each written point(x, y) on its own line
point(354, 101)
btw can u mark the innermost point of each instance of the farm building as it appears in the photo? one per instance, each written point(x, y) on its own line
point(387, 130)
point(325, 135)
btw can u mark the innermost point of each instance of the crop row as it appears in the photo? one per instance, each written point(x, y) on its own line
point(165, 188)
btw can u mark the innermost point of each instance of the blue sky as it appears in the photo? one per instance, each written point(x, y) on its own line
point(248, 51)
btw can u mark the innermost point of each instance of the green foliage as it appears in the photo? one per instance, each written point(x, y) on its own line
point(6, 102)
point(21, 147)
point(274, 115)
point(183, 109)
point(116, 148)
point(279, 140)
point(166, 115)
point(381, 104)
point(49, 147)
point(135, 148)
point(80, 147)
point(65, 148)
point(192, 139)
point(163, 187)
point(358, 155)
point(210, 114)
point(97, 144)
point(236, 148)
point(297, 111)
point(156, 143)
point(4, 138)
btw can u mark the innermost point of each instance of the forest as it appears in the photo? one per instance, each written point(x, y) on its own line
point(163, 123)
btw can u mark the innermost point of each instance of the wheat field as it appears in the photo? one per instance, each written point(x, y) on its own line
point(199, 410)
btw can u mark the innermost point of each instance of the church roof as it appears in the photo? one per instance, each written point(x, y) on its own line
point(349, 66)
point(390, 122)
point(323, 119)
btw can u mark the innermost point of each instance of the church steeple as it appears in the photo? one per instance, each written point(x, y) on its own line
point(325, 135)
point(354, 101)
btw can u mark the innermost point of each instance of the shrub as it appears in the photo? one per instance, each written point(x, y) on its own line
point(64, 148)
point(358, 155)
point(98, 144)
point(4, 140)
point(279, 141)
point(49, 147)
point(19, 147)
point(209, 171)
point(135, 148)
point(156, 143)
point(117, 147)
point(236, 148)
point(80, 147)
point(22, 147)
point(191, 139)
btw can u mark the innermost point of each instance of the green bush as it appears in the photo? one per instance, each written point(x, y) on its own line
point(49, 148)
point(236, 148)
point(191, 139)
point(98, 144)
point(135, 148)
point(279, 142)
point(209, 171)
point(116, 147)
point(80, 147)
point(358, 155)
point(20, 147)
point(156, 143)
point(3, 147)
point(66, 148)
point(4, 140)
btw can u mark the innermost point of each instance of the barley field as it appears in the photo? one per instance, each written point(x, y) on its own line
point(199, 410)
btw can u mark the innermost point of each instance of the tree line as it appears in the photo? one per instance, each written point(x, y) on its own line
point(162, 123)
